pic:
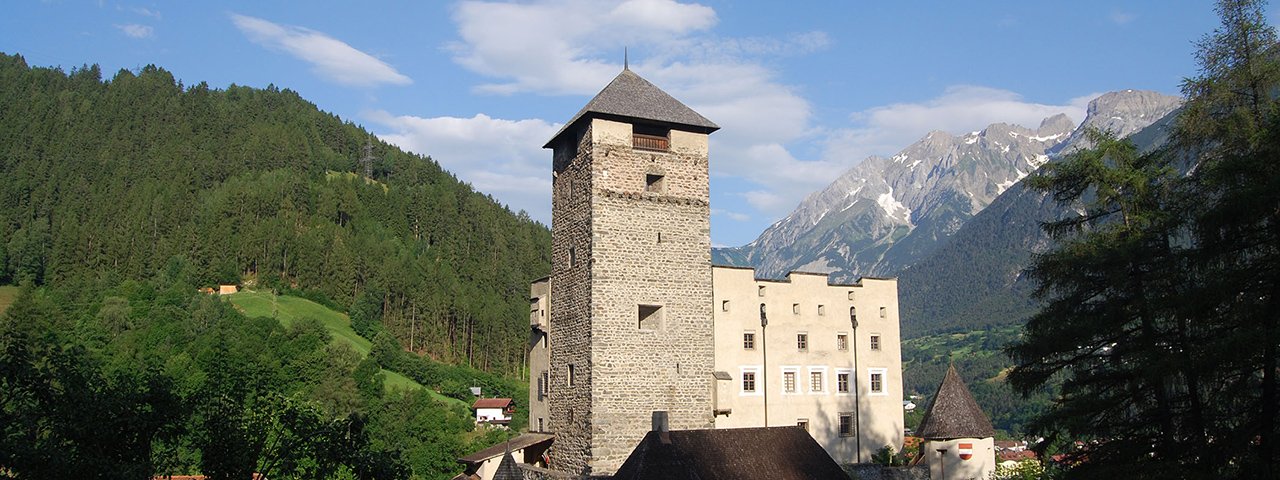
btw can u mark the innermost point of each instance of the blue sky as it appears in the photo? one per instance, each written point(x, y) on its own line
point(802, 90)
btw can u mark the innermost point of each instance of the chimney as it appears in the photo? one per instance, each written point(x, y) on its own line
point(660, 421)
point(661, 427)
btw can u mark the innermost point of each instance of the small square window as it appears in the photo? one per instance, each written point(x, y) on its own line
point(724, 306)
point(822, 310)
point(875, 342)
point(653, 183)
point(803, 423)
point(850, 294)
point(795, 308)
point(842, 342)
point(846, 424)
point(760, 290)
point(802, 342)
point(650, 317)
point(749, 341)
point(884, 312)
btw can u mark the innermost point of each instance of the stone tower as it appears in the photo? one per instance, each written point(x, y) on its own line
point(630, 328)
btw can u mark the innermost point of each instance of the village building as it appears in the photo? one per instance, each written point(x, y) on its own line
point(959, 439)
point(496, 411)
point(529, 449)
point(634, 319)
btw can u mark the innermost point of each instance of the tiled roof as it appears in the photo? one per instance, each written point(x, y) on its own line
point(507, 469)
point(778, 453)
point(954, 413)
point(491, 403)
point(521, 442)
point(630, 97)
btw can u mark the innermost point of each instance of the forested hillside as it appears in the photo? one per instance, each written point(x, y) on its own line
point(121, 199)
point(106, 181)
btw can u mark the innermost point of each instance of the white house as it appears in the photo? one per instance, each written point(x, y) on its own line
point(494, 410)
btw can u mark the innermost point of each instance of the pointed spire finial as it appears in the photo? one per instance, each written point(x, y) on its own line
point(626, 62)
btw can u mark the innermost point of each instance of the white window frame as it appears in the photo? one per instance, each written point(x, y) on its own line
point(852, 383)
point(754, 369)
point(884, 377)
point(819, 370)
point(794, 370)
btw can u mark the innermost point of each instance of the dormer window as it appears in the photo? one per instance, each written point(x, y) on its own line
point(650, 137)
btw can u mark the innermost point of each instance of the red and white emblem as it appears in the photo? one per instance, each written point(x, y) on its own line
point(965, 450)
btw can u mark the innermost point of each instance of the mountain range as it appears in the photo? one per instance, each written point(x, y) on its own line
point(946, 207)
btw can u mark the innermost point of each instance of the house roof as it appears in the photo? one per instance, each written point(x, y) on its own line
point(491, 403)
point(734, 453)
point(629, 97)
point(519, 443)
point(954, 413)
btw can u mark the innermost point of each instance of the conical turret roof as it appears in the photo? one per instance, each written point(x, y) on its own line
point(630, 97)
point(954, 413)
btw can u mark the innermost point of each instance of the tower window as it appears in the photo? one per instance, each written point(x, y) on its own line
point(842, 381)
point(875, 342)
point(876, 377)
point(653, 183)
point(822, 310)
point(795, 308)
point(850, 294)
point(842, 342)
point(724, 306)
point(802, 342)
point(846, 424)
point(760, 290)
point(570, 375)
point(749, 341)
point(650, 317)
point(884, 312)
point(573, 257)
point(803, 423)
point(649, 137)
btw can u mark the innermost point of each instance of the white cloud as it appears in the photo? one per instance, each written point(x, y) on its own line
point(499, 157)
point(147, 12)
point(554, 47)
point(884, 130)
point(329, 57)
point(736, 216)
point(134, 30)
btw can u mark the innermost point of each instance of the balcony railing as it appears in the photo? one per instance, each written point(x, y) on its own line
point(650, 142)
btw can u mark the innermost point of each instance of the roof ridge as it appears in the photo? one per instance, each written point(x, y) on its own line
point(630, 96)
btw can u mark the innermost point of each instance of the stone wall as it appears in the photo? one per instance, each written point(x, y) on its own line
point(570, 407)
point(871, 471)
point(638, 250)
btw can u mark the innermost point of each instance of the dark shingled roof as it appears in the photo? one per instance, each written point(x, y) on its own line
point(507, 469)
point(954, 413)
point(629, 97)
point(779, 453)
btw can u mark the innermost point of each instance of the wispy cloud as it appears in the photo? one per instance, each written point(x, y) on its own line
point(330, 58)
point(147, 12)
point(134, 30)
point(884, 130)
point(1121, 18)
point(499, 157)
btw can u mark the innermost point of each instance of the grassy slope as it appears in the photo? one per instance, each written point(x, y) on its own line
point(287, 309)
point(8, 293)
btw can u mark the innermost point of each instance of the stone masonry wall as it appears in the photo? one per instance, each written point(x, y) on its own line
point(570, 323)
point(653, 249)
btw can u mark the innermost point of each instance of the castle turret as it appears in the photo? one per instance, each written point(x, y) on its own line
point(959, 440)
point(630, 299)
